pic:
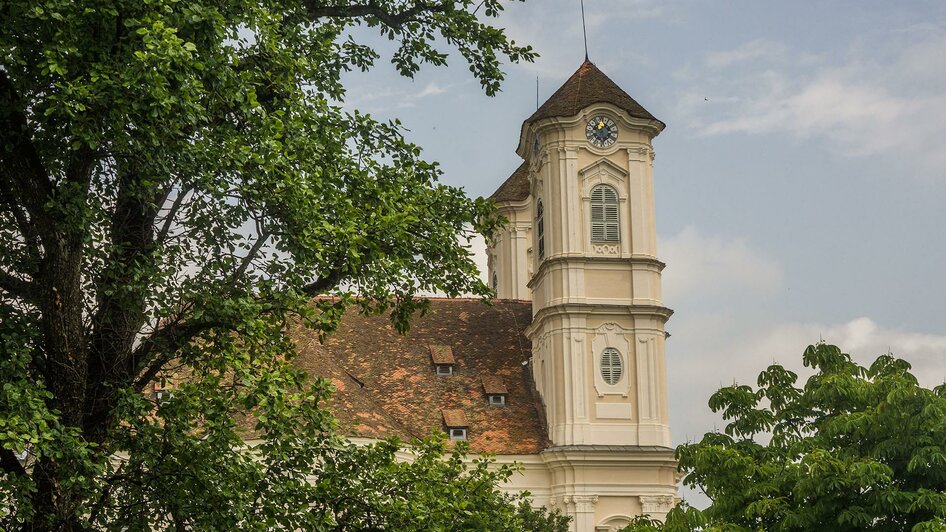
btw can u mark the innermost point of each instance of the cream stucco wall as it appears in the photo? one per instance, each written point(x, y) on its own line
point(508, 253)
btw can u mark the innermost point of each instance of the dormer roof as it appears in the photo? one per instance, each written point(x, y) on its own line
point(442, 355)
point(454, 418)
point(588, 86)
point(494, 385)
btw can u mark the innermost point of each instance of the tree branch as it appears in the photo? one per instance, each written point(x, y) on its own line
point(23, 222)
point(10, 464)
point(372, 9)
point(168, 340)
point(18, 287)
point(22, 173)
point(251, 254)
point(172, 212)
point(325, 282)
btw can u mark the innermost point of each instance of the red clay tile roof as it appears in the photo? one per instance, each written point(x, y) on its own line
point(386, 385)
point(441, 354)
point(454, 418)
point(587, 86)
point(516, 187)
point(494, 385)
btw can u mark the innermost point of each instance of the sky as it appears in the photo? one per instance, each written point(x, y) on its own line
point(800, 183)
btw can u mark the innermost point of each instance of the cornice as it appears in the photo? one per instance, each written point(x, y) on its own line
point(602, 165)
point(512, 205)
point(608, 455)
point(582, 259)
point(653, 127)
point(591, 448)
point(601, 308)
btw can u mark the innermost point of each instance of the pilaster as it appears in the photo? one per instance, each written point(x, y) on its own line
point(657, 506)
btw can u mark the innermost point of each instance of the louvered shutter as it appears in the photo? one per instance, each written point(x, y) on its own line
point(605, 225)
point(612, 366)
point(540, 228)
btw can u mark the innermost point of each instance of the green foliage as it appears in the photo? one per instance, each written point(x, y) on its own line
point(426, 492)
point(681, 518)
point(178, 180)
point(855, 448)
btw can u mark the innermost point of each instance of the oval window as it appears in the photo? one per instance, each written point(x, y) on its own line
point(612, 366)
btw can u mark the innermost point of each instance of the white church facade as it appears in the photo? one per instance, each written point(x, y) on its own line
point(565, 372)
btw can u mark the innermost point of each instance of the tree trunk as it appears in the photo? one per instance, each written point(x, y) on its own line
point(66, 362)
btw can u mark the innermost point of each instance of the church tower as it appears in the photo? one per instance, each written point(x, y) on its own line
point(581, 245)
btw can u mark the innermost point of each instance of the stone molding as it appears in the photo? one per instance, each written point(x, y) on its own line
point(657, 504)
point(582, 503)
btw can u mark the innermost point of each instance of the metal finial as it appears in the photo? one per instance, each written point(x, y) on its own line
point(584, 31)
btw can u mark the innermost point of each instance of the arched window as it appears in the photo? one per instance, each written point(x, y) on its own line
point(612, 366)
point(540, 228)
point(604, 214)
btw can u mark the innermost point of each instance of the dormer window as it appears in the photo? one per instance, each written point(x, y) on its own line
point(605, 226)
point(456, 423)
point(443, 359)
point(495, 390)
point(162, 395)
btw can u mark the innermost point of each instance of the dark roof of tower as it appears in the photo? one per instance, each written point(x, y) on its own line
point(386, 383)
point(516, 187)
point(587, 86)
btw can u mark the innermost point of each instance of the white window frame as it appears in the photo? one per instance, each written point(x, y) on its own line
point(605, 214)
point(163, 395)
point(444, 370)
point(497, 399)
point(457, 433)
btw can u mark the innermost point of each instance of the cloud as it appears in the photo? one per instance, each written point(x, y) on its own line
point(432, 89)
point(885, 99)
point(383, 98)
point(752, 50)
point(704, 266)
point(707, 352)
point(561, 49)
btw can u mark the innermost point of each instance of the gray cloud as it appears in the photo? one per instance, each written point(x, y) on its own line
point(887, 99)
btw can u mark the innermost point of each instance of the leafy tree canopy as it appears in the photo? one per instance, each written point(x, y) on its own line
point(177, 181)
point(855, 448)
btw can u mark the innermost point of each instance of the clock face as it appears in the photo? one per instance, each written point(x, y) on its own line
point(602, 131)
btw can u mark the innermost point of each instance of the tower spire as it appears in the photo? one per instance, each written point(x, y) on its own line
point(584, 31)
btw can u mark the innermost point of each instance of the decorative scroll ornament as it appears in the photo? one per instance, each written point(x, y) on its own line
point(606, 249)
